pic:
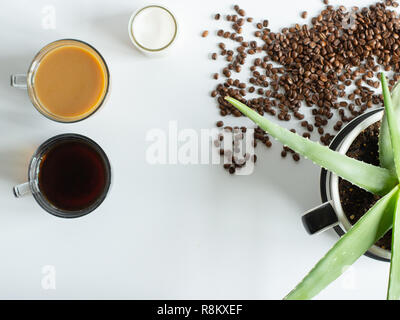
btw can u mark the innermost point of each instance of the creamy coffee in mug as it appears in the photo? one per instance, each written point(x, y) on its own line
point(67, 81)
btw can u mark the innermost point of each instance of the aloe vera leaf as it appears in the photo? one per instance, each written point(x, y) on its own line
point(371, 178)
point(394, 128)
point(394, 275)
point(385, 145)
point(370, 228)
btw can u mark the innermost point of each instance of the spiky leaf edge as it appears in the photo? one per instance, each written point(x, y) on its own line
point(370, 228)
point(371, 178)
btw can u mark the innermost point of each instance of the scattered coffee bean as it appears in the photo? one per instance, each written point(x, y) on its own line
point(205, 33)
point(220, 124)
point(227, 73)
point(312, 66)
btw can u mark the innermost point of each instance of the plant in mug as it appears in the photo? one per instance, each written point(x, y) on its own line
point(382, 181)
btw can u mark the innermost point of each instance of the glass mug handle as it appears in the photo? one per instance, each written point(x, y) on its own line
point(19, 81)
point(320, 218)
point(21, 190)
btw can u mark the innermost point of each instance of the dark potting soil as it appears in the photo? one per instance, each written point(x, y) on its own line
point(356, 201)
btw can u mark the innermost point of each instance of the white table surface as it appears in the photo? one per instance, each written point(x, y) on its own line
point(165, 231)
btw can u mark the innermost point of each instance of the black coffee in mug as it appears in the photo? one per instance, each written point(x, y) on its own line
point(72, 175)
point(69, 176)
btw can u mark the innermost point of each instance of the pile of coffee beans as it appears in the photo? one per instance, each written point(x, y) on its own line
point(330, 66)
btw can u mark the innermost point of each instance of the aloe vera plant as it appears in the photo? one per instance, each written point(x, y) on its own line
point(383, 181)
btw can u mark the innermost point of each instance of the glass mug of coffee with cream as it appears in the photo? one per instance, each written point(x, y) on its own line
point(67, 81)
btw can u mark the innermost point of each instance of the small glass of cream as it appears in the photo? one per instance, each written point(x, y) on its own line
point(153, 29)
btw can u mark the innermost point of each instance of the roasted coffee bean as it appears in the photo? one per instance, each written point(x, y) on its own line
point(312, 65)
point(220, 124)
point(205, 33)
point(226, 73)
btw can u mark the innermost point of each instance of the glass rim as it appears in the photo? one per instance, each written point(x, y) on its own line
point(33, 68)
point(132, 34)
point(34, 169)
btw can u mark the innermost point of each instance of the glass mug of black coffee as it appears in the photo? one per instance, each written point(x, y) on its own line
point(69, 176)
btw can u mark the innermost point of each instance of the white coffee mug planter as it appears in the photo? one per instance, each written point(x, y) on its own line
point(331, 214)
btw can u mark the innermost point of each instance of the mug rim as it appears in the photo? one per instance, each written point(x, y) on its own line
point(33, 176)
point(327, 178)
point(32, 69)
